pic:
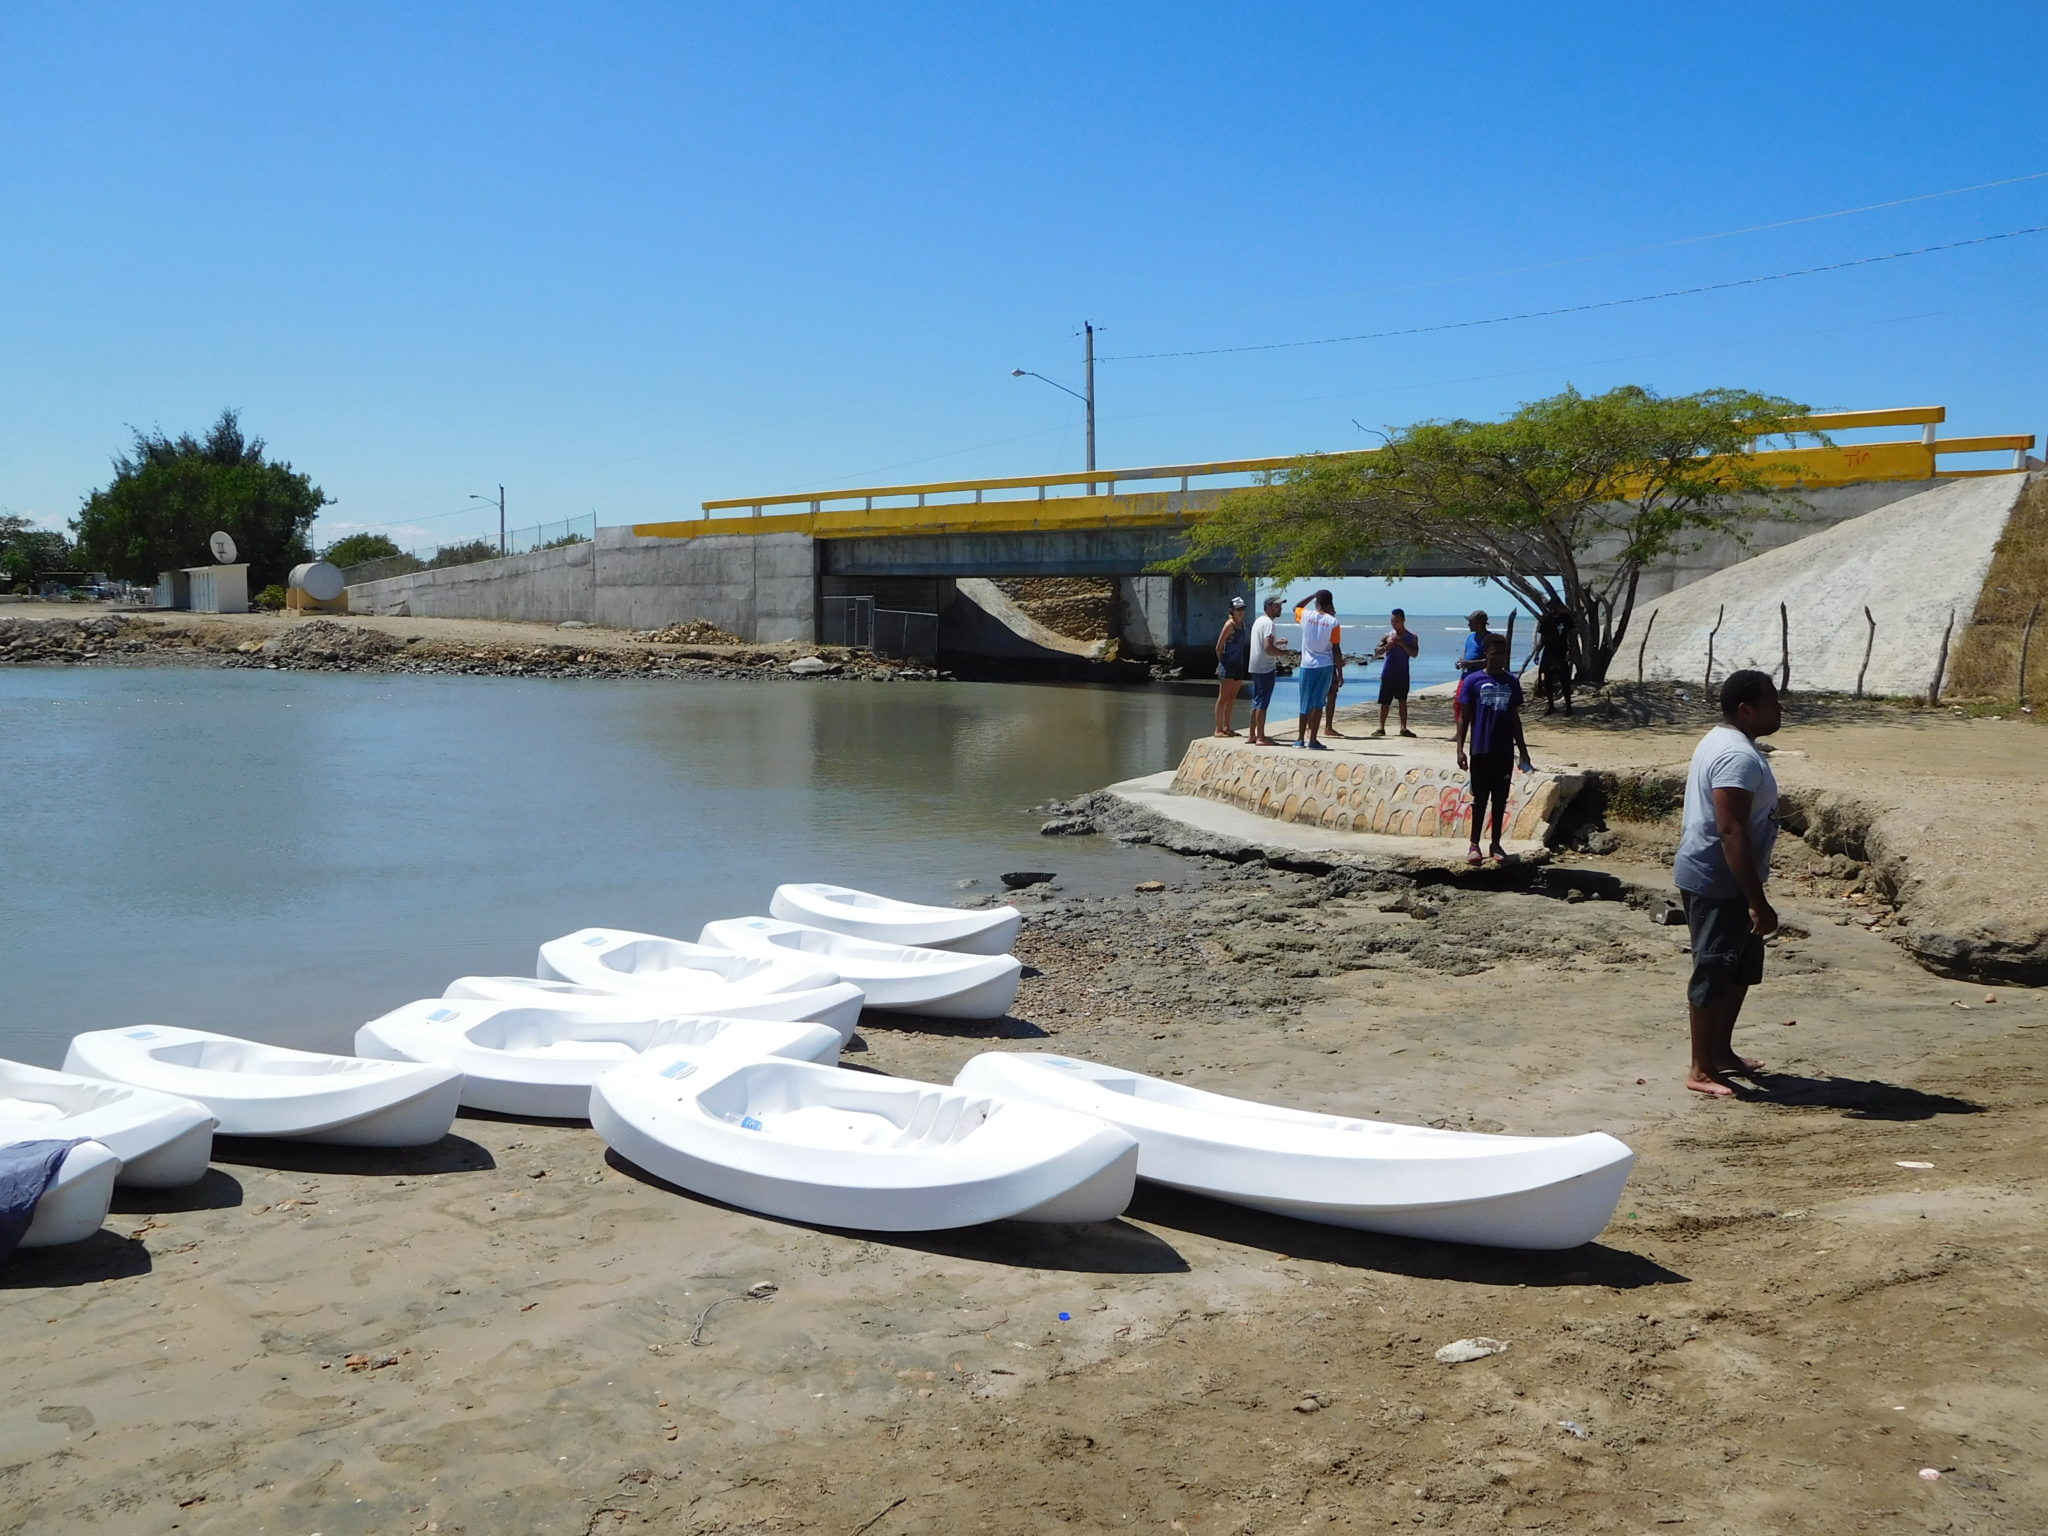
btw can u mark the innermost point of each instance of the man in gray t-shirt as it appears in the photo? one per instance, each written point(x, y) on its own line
point(1724, 857)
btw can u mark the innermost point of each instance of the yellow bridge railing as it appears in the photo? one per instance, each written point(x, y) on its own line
point(1160, 494)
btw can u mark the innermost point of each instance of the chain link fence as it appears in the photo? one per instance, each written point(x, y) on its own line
point(434, 557)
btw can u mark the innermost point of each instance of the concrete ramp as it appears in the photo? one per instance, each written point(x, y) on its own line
point(1912, 564)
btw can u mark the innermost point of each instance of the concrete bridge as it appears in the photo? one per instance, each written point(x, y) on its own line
point(766, 568)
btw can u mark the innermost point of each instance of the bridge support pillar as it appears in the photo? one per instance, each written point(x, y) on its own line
point(1176, 618)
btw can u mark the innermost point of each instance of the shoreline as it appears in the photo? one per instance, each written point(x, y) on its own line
point(436, 647)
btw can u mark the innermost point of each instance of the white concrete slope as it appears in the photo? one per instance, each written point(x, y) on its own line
point(1911, 563)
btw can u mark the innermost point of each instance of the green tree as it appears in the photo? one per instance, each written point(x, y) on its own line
point(26, 550)
point(169, 494)
point(1566, 500)
point(358, 547)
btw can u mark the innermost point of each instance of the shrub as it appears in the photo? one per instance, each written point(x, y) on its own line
point(271, 598)
point(1641, 800)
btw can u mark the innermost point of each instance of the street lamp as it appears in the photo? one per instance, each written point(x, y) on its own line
point(473, 496)
point(1088, 399)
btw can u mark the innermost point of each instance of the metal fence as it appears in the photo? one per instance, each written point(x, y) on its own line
point(906, 636)
point(847, 621)
point(435, 557)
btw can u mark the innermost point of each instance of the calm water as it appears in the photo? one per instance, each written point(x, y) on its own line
point(285, 855)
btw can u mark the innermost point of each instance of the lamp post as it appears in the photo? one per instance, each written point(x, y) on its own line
point(473, 496)
point(1088, 399)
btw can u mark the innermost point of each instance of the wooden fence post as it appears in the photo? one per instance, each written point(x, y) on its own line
point(1869, 640)
point(2027, 639)
point(1941, 661)
point(1645, 645)
point(1784, 650)
point(1707, 683)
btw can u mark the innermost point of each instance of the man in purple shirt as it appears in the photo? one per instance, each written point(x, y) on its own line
point(1490, 712)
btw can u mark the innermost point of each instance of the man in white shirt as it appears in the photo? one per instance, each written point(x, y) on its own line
point(1320, 637)
point(1724, 857)
point(1268, 650)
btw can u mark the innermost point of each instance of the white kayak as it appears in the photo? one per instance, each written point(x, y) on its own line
point(854, 1149)
point(270, 1090)
point(162, 1140)
point(74, 1204)
point(860, 915)
point(835, 1005)
point(1460, 1186)
point(533, 1059)
point(905, 977)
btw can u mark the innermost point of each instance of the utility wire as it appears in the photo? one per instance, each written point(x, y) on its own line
point(1577, 309)
point(1722, 234)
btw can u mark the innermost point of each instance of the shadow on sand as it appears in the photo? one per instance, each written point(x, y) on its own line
point(1859, 1098)
point(451, 1154)
point(1418, 1258)
point(214, 1190)
point(103, 1256)
point(1098, 1247)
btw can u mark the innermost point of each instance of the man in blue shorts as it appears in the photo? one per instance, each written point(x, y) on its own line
point(1268, 651)
point(1320, 636)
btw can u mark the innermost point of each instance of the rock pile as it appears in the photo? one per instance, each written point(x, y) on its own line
point(691, 632)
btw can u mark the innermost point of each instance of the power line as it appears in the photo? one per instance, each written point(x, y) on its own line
point(1577, 309)
point(1723, 234)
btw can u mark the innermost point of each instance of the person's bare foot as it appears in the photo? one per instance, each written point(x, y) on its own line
point(1226, 733)
point(1712, 1084)
point(1741, 1066)
point(1333, 731)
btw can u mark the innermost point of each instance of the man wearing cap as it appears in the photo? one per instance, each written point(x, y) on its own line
point(1473, 659)
point(1268, 651)
point(1233, 658)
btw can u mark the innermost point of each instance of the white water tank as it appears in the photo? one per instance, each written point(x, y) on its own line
point(318, 580)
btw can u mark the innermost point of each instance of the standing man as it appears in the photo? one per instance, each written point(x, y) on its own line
point(1268, 650)
point(1233, 654)
point(1319, 637)
point(1399, 646)
point(1472, 659)
point(1724, 857)
point(1492, 714)
point(1554, 628)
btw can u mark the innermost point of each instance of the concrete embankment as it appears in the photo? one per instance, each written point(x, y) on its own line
point(1864, 601)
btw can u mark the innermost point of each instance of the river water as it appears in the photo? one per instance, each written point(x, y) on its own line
point(283, 855)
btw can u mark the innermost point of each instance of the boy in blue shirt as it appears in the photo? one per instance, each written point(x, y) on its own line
point(1490, 711)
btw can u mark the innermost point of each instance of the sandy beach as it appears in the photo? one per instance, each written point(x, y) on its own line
point(1804, 1301)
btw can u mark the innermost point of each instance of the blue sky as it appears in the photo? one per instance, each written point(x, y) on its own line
point(625, 257)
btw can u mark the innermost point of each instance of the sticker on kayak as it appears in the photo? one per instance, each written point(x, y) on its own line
point(749, 1123)
point(593, 941)
point(141, 1034)
point(441, 1013)
point(679, 1069)
point(1060, 1061)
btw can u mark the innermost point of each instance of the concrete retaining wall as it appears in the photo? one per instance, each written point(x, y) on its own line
point(1405, 796)
point(759, 587)
point(545, 587)
point(1911, 563)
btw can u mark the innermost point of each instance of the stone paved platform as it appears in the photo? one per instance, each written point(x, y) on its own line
point(1410, 790)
